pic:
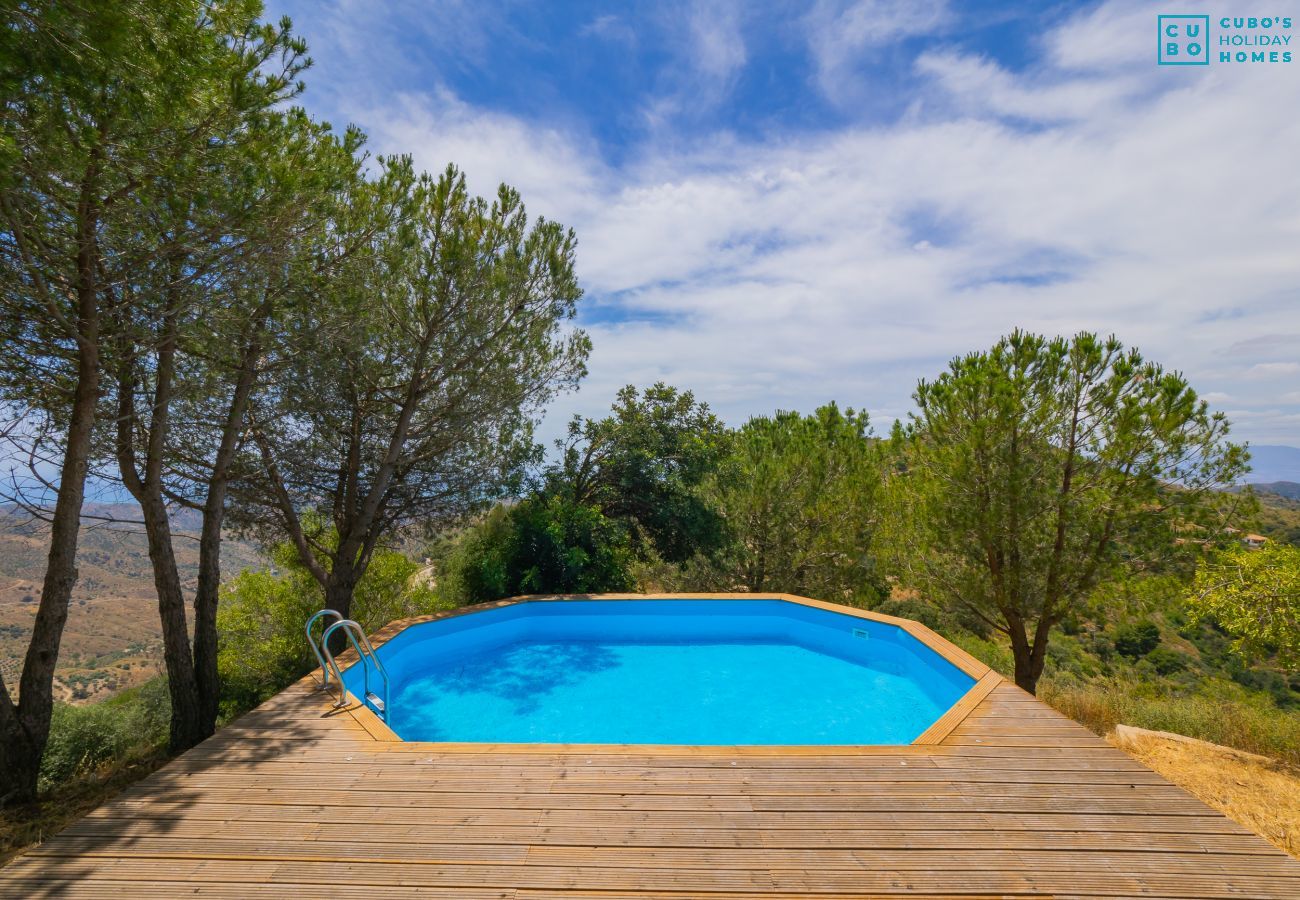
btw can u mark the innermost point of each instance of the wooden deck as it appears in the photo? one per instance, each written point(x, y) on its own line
point(292, 800)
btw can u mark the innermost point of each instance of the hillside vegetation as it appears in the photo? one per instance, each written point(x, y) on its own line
point(113, 638)
point(1279, 514)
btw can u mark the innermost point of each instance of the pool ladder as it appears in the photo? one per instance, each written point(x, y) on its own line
point(365, 653)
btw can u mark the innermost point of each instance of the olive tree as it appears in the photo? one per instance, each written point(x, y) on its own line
point(643, 466)
point(1033, 471)
point(1254, 595)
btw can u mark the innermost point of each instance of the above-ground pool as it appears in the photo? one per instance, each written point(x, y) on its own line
point(652, 671)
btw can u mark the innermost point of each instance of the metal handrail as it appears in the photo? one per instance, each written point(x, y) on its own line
point(325, 670)
point(365, 651)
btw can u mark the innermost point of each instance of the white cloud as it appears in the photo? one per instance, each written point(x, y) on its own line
point(1109, 37)
point(842, 34)
point(611, 28)
point(718, 49)
point(979, 84)
point(1273, 370)
point(557, 176)
point(702, 74)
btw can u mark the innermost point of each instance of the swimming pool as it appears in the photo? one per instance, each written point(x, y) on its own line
point(663, 671)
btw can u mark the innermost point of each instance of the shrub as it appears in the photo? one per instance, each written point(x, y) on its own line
point(542, 545)
point(84, 738)
point(911, 608)
point(994, 655)
point(1277, 685)
point(1137, 639)
point(1167, 662)
point(567, 548)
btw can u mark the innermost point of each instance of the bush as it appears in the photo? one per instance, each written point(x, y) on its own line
point(85, 738)
point(262, 613)
point(1168, 662)
point(994, 655)
point(1274, 683)
point(542, 545)
point(1102, 647)
point(1137, 640)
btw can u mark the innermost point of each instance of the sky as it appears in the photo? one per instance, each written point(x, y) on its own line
point(780, 204)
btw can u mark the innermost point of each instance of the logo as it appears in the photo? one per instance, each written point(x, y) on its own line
point(1184, 41)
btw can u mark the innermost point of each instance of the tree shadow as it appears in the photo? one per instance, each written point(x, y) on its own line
point(118, 841)
point(522, 675)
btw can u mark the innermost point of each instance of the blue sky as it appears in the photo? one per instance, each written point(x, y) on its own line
point(783, 204)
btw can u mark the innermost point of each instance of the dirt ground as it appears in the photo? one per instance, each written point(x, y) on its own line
point(1257, 792)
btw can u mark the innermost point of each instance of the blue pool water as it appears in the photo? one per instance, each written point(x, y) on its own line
point(663, 672)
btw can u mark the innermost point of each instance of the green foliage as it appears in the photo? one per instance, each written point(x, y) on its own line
point(543, 545)
point(472, 565)
point(261, 617)
point(83, 738)
point(992, 653)
point(1167, 661)
point(927, 614)
point(1036, 471)
point(643, 465)
point(413, 367)
point(1137, 639)
point(624, 493)
point(799, 496)
point(1255, 596)
point(567, 548)
point(1279, 516)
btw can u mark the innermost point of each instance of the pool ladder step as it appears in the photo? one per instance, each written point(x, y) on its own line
point(365, 653)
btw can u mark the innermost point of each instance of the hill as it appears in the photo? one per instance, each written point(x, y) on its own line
point(1279, 514)
point(1288, 490)
point(112, 640)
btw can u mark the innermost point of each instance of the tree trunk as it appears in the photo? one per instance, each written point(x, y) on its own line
point(206, 595)
point(187, 727)
point(25, 725)
point(1028, 659)
point(338, 596)
point(208, 591)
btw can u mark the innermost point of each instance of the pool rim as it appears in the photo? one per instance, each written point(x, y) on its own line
point(985, 680)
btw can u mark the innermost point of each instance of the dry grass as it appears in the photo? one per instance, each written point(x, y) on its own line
point(1259, 793)
point(1218, 711)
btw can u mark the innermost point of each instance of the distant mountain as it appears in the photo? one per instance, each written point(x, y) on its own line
point(1273, 462)
point(1288, 489)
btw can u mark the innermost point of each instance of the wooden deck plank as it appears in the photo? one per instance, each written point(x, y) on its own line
point(203, 816)
point(456, 834)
